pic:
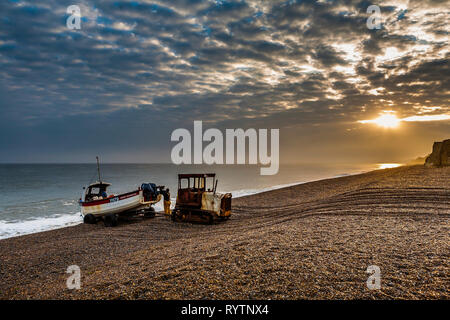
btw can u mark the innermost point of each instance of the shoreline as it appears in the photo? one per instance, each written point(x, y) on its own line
point(312, 240)
point(241, 193)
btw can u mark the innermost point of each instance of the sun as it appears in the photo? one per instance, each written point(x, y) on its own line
point(387, 120)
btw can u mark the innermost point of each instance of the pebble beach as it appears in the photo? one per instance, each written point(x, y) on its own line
point(308, 241)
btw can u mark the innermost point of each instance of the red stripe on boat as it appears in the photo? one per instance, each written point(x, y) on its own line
point(108, 200)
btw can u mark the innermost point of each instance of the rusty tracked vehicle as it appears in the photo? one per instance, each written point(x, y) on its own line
point(198, 201)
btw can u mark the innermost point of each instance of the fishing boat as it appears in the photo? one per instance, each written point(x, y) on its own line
point(96, 204)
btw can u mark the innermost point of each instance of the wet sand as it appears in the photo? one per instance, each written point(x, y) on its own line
point(310, 241)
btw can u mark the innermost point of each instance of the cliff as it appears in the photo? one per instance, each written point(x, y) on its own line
point(440, 156)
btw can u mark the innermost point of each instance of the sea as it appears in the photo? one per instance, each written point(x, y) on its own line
point(39, 197)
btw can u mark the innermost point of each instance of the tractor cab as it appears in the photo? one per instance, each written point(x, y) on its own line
point(192, 186)
point(197, 199)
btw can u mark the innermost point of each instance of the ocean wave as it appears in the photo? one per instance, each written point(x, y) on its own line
point(10, 229)
point(249, 192)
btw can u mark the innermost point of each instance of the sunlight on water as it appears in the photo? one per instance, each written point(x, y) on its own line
point(388, 165)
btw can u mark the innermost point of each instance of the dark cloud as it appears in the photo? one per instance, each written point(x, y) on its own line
point(138, 69)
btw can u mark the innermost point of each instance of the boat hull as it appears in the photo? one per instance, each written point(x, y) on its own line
point(132, 201)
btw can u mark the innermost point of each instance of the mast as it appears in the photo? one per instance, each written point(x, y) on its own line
point(98, 170)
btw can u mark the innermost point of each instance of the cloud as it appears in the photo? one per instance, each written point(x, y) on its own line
point(167, 63)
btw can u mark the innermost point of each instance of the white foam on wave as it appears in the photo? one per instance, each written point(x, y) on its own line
point(249, 192)
point(13, 229)
point(9, 229)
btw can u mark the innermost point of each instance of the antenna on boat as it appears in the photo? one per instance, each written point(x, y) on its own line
point(98, 170)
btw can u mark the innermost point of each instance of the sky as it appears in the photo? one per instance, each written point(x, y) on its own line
point(137, 70)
